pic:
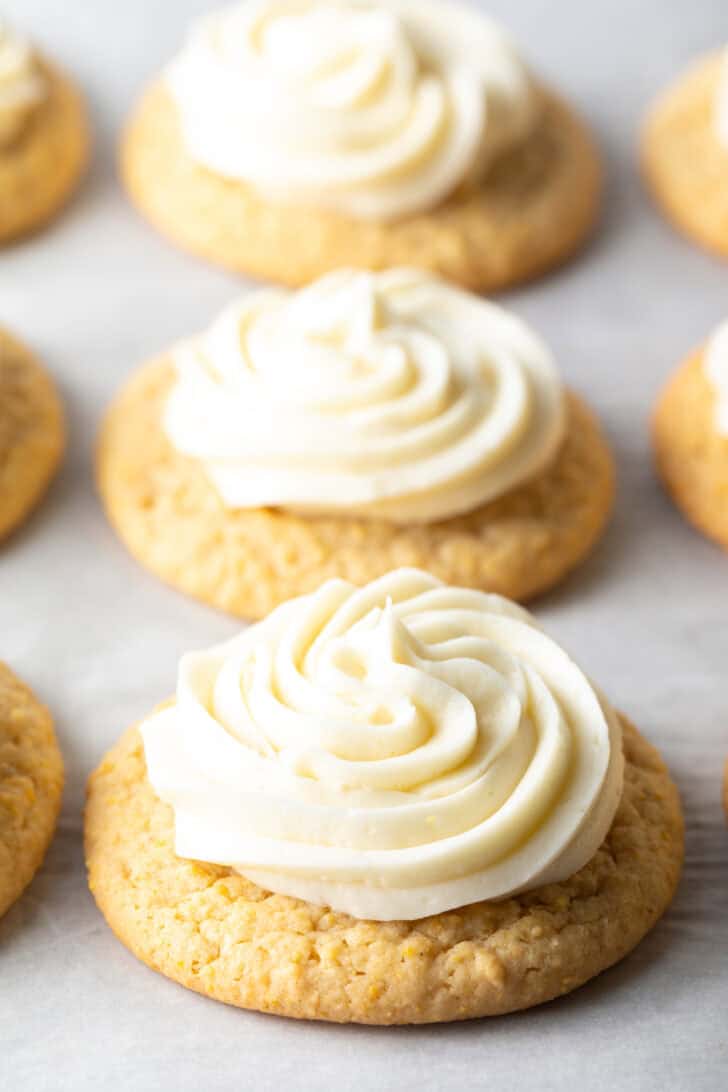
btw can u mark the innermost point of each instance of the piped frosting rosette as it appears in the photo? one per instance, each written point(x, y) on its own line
point(375, 109)
point(390, 395)
point(391, 751)
point(22, 85)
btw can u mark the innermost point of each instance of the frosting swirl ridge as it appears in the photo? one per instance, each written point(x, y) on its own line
point(374, 109)
point(389, 395)
point(391, 751)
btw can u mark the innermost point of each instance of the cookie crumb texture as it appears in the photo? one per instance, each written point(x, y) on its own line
point(31, 432)
point(691, 455)
point(215, 932)
point(684, 163)
point(535, 209)
point(41, 168)
point(31, 783)
point(248, 561)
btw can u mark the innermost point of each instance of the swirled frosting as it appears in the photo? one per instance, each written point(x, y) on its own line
point(390, 395)
point(373, 108)
point(716, 370)
point(391, 751)
point(22, 85)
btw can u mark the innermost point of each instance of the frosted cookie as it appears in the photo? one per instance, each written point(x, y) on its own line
point(31, 782)
point(685, 152)
point(365, 422)
point(285, 141)
point(31, 432)
point(43, 137)
point(401, 803)
point(690, 433)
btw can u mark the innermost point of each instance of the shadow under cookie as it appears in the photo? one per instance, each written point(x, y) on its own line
point(211, 930)
point(691, 454)
point(248, 561)
point(41, 168)
point(683, 161)
point(31, 432)
point(534, 210)
point(31, 782)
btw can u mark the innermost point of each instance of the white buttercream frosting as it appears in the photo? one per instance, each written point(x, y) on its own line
point(716, 369)
point(391, 751)
point(374, 108)
point(390, 395)
point(22, 85)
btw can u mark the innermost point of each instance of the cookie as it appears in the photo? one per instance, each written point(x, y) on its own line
point(691, 454)
point(684, 162)
point(213, 931)
point(31, 432)
point(31, 782)
point(534, 210)
point(40, 169)
point(246, 561)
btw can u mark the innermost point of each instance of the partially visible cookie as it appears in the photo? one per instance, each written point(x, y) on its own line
point(41, 167)
point(31, 782)
point(31, 432)
point(691, 454)
point(684, 162)
point(247, 561)
point(533, 211)
point(213, 931)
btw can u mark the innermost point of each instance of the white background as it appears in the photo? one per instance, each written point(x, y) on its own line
point(98, 638)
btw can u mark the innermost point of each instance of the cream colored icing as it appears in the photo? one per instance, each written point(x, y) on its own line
point(374, 109)
point(391, 751)
point(716, 369)
point(390, 395)
point(22, 86)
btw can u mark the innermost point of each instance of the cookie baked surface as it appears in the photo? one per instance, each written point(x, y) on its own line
point(31, 432)
point(31, 782)
point(536, 207)
point(248, 561)
point(215, 932)
point(691, 455)
point(41, 168)
point(685, 165)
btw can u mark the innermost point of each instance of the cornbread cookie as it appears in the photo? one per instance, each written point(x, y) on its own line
point(41, 167)
point(31, 432)
point(684, 162)
point(691, 454)
point(533, 211)
point(249, 561)
point(31, 781)
point(215, 932)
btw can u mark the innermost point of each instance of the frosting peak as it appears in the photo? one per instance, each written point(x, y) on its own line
point(391, 751)
point(21, 83)
point(390, 395)
point(375, 108)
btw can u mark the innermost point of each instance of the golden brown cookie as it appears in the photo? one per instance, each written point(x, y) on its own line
point(533, 212)
point(41, 168)
point(685, 165)
point(691, 455)
point(31, 782)
point(248, 561)
point(31, 432)
point(215, 932)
